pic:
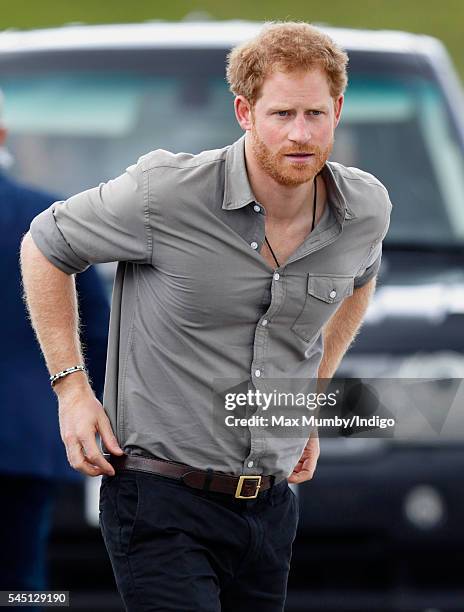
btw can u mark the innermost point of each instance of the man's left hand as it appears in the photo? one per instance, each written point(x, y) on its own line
point(306, 466)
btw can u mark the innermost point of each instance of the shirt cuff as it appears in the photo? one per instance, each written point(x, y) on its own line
point(368, 273)
point(50, 241)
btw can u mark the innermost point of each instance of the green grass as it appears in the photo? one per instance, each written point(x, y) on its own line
point(444, 19)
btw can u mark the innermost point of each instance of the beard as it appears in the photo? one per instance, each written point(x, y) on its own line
point(282, 169)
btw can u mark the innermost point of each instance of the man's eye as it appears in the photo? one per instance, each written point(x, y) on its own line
point(282, 113)
point(316, 113)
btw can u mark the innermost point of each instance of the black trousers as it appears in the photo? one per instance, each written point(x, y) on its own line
point(174, 548)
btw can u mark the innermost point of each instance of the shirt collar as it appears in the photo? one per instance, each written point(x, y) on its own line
point(238, 192)
point(335, 195)
point(237, 189)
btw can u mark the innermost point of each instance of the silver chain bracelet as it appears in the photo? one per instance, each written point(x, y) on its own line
point(63, 373)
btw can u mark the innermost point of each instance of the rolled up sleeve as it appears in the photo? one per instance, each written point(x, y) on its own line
point(372, 265)
point(371, 269)
point(110, 222)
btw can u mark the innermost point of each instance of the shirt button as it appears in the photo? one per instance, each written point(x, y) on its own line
point(257, 208)
point(264, 322)
point(250, 464)
point(254, 245)
point(333, 293)
point(257, 373)
point(276, 276)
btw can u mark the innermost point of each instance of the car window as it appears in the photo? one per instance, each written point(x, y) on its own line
point(399, 131)
point(71, 132)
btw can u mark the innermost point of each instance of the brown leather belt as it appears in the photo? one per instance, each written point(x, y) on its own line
point(242, 487)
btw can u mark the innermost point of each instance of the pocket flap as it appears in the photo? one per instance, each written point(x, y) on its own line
point(330, 288)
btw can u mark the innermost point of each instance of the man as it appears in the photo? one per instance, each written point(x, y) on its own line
point(231, 263)
point(32, 462)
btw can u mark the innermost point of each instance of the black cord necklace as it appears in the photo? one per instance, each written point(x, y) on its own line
point(312, 226)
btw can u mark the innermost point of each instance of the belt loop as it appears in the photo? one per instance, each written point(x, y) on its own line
point(208, 479)
point(272, 480)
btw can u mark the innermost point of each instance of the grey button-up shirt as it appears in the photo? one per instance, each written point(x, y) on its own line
point(196, 309)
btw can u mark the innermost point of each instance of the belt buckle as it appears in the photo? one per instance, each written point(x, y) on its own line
point(241, 481)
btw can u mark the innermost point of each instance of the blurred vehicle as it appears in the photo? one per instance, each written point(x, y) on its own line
point(380, 524)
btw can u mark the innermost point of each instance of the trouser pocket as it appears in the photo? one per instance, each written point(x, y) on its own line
point(119, 506)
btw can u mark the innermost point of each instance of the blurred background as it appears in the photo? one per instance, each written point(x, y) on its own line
point(381, 523)
point(443, 20)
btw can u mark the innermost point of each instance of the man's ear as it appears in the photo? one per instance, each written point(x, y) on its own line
point(2, 135)
point(338, 105)
point(243, 112)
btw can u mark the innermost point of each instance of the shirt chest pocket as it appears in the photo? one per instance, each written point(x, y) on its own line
point(325, 293)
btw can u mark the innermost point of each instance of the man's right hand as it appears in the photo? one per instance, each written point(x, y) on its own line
point(82, 417)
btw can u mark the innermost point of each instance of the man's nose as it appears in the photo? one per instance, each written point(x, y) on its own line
point(300, 131)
